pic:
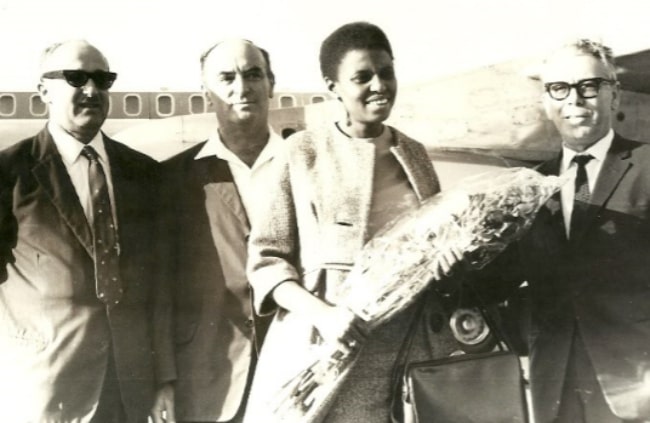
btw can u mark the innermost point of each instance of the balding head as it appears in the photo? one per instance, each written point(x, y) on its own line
point(238, 43)
point(59, 55)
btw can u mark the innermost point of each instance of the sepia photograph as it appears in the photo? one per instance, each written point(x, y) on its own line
point(341, 211)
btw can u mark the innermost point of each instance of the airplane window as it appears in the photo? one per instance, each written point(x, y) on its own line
point(7, 105)
point(287, 101)
point(165, 105)
point(317, 99)
point(132, 105)
point(197, 104)
point(36, 106)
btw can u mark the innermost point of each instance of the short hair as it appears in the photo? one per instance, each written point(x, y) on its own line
point(352, 36)
point(594, 49)
point(265, 55)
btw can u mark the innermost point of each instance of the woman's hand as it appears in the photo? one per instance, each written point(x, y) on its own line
point(338, 325)
point(449, 261)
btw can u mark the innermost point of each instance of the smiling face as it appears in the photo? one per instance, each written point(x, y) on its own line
point(367, 87)
point(580, 121)
point(236, 80)
point(78, 111)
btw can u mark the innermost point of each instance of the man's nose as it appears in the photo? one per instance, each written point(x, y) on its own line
point(240, 85)
point(90, 88)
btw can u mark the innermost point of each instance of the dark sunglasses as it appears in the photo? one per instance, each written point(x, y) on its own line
point(78, 78)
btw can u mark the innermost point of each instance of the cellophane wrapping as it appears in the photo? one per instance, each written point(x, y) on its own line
point(475, 221)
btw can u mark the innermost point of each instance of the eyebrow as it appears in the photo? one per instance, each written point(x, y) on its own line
point(255, 68)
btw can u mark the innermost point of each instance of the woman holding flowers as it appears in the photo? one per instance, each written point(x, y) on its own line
point(336, 187)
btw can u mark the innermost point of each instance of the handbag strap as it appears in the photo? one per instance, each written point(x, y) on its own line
point(502, 340)
point(397, 375)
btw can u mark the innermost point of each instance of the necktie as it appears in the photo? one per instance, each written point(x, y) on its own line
point(105, 243)
point(582, 194)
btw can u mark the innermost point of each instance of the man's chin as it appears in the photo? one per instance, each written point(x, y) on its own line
point(245, 115)
point(90, 124)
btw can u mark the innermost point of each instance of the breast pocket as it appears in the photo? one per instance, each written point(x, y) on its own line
point(340, 242)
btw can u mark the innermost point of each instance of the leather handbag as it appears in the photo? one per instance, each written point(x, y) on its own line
point(469, 388)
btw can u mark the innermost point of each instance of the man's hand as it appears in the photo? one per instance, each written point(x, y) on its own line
point(163, 406)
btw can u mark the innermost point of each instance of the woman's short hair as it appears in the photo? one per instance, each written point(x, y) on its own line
point(352, 36)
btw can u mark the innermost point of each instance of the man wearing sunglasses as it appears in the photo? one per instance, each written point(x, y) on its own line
point(78, 259)
point(212, 190)
point(587, 255)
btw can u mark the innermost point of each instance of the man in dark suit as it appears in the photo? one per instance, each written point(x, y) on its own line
point(212, 190)
point(77, 267)
point(587, 256)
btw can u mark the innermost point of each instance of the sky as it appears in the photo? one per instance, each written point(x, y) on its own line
point(155, 44)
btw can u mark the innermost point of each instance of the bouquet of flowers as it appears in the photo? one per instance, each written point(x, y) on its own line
point(477, 221)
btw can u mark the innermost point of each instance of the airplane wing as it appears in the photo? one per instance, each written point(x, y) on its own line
point(634, 71)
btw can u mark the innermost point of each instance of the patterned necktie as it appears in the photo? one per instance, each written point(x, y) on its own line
point(105, 243)
point(582, 194)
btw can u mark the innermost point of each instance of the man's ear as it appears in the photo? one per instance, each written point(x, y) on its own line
point(616, 96)
point(206, 95)
point(271, 84)
point(42, 90)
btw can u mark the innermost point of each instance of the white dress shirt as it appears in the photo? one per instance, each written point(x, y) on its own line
point(251, 182)
point(599, 151)
point(77, 166)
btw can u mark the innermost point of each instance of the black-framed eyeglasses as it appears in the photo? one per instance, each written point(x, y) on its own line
point(78, 78)
point(586, 88)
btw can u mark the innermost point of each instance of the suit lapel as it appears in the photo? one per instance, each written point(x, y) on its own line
point(218, 181)
point(617, 163)
point(51, 174)
point(350, 196)
point(118, 181)
point(229, 227)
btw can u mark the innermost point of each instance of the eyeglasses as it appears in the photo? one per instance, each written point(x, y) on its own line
point(78, 78)
point(586, 88)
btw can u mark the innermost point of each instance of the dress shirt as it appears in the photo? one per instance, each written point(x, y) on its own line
point(599, 151)
point(77, 166)
point(251, 182)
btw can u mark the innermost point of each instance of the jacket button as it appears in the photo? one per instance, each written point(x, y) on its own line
point(249, 323)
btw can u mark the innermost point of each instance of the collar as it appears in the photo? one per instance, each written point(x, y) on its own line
point(215, 147)
point(70, 148)
point(598, 150)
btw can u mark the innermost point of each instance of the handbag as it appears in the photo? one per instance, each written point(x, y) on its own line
point(483, 387)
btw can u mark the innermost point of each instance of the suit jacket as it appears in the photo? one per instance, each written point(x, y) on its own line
point(214, 326)
point(597, 284)
point(55, 335)
point(317, 222)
